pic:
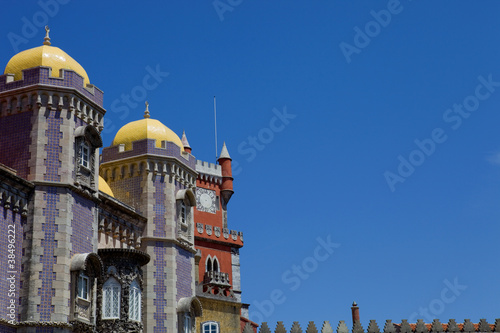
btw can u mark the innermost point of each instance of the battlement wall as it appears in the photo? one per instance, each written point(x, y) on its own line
point(404, 327)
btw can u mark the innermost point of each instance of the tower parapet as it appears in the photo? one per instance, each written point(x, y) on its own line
point(43, 75)
point(209, 171)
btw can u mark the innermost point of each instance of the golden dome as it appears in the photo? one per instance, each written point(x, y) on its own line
point(146, 128)
point(44, 55)
point(104, 187)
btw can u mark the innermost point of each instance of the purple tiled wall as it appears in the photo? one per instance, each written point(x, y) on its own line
point(82, 233)
point(40, 75)
point(14, 147)
point(53, 149)
point(7, 329)
point(184, 273)
point(129, 191)
point(160, 289)
point(47, 259)
point(159, 220)
point(11, 229)
point(147, 146)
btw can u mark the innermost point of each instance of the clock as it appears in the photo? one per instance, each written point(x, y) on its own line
point(205, 200)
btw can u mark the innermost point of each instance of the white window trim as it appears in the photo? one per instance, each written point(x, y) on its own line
point(114, 286)
point(208, 324)
point(183, 213)
point(135, 295)
point(188, 326)
point(80, 291)
point(85, 162)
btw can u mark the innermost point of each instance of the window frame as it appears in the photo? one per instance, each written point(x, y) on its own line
point(183, 213)
point(135, 296)
point(108, 286)
point(84, 154)
point(188, 325)
point(208, 325)
point(79, 292)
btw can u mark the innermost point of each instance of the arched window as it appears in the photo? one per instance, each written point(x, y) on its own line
point(111, 292)
point(134, 309)
point(210, 327)
point(208, 265)
point(216, 265)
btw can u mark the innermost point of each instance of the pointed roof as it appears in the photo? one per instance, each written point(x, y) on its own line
point(185, 140)
point(224, 153)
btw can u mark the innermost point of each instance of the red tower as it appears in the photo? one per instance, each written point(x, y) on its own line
point(218, 283)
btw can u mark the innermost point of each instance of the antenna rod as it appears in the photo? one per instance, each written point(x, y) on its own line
point(215, 119)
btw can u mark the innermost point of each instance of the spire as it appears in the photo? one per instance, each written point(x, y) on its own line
point(46, 40)
point(224, 153)
point(146, 113)
point(185, 142)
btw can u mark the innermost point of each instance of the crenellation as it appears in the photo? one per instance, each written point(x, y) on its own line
point(373, 327)
point(296, 327)
point(311, 328)
point(404, 327)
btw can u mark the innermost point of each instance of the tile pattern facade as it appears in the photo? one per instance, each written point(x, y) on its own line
point(129, 191)
point(41, 75)
point(48, 260)
point(184, 273)
point(159, 220)
point(14, 147)
point(53, 149)
point(160, 288)
point(11, 225)
point(7, 329)
point(147, 146)
point(81, 225)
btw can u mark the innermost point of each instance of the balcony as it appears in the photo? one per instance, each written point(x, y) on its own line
point(216, 279)
point(216, 285)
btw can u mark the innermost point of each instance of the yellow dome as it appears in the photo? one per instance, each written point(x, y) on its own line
point(44, 55)
point(104, 187)
point(146, 128)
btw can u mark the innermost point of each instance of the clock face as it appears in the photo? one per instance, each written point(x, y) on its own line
point(205, 200)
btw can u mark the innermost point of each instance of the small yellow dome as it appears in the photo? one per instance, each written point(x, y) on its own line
point(146, 128)
point(104, 187)
point(44, 55)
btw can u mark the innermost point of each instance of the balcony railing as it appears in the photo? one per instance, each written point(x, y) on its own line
point(216, 278)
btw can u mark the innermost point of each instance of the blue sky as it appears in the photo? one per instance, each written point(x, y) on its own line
point(368, 126)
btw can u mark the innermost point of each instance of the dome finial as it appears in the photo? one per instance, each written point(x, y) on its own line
point(46, 40)
point(146, 113)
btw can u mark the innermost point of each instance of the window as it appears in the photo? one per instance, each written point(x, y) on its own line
point(111, 299)
point(212, 264)
point(210, 327)
point(83, 286)
point(187, 323)
point(183, 213)
point(134, 310)
point(216, 265)
point(84, 155)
